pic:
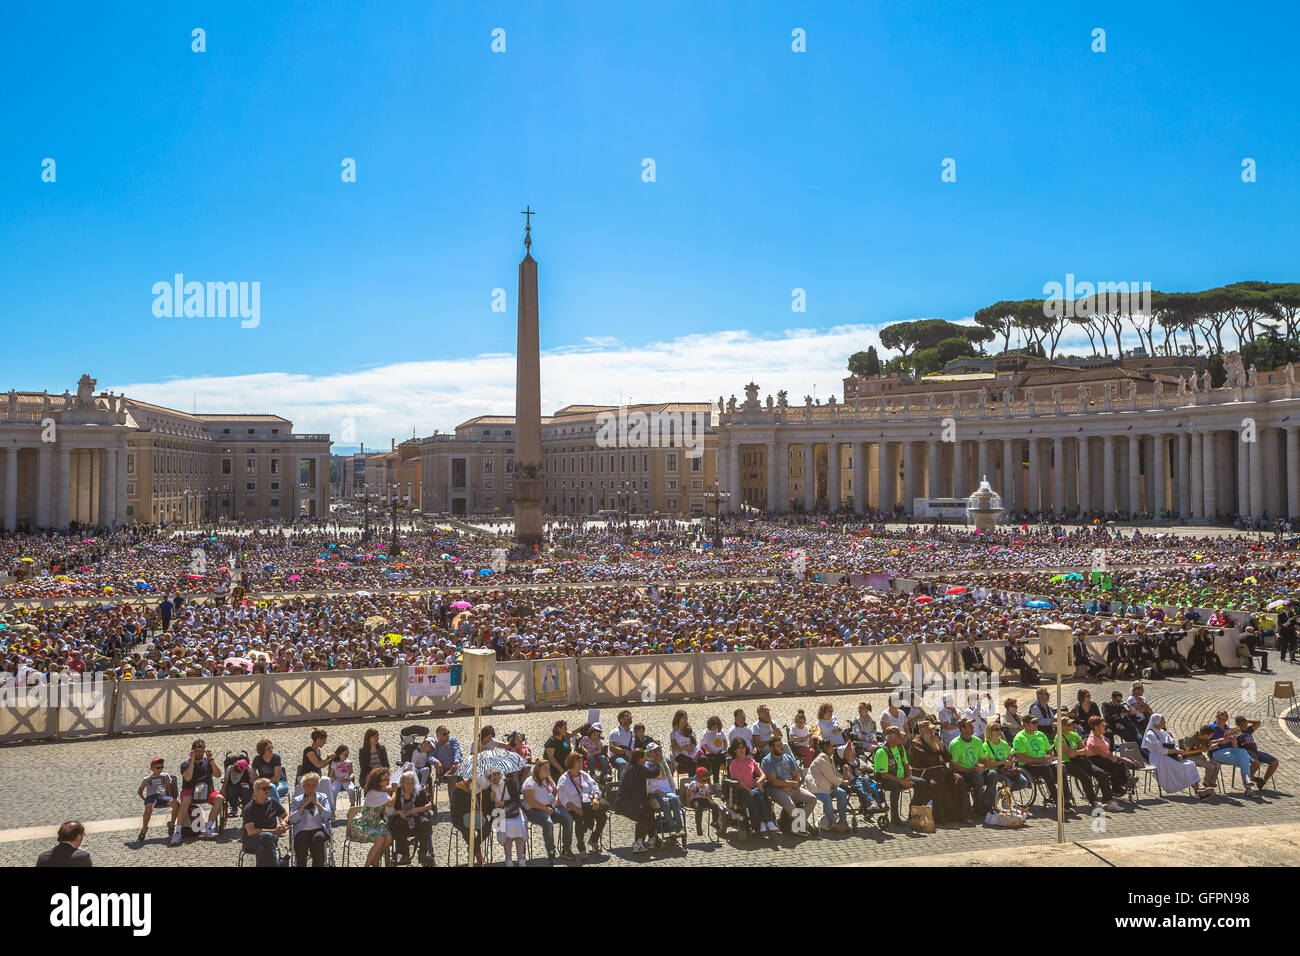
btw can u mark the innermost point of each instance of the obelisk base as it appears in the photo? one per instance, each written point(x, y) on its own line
point(528, 512)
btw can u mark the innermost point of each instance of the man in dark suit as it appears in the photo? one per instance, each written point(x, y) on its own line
point(67, 852)
point(972, 657)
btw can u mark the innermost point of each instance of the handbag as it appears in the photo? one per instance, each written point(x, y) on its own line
point(921, 819)
point(1005, 813)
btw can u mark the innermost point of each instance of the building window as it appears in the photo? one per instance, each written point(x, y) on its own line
point(697, 463)
point(250, 486)
point(250, 466)
point(275, 503)
point(670, 461)
point(275, 486)
point(130, 464)
point(275, 466)
point(671, 484)
point(672, 504)
point(487, 466)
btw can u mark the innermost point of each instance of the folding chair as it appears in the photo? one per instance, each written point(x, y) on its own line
point(1282, 690)
point(279, 851)
point(1146, 771)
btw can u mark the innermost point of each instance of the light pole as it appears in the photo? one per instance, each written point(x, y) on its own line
point(395, 547)
point(717, 497)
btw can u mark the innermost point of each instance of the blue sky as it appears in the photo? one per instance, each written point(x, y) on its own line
point(775, 170)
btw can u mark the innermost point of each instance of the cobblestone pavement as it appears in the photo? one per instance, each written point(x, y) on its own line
point(42, 784)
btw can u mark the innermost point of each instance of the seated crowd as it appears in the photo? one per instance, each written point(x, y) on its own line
point(969, 765)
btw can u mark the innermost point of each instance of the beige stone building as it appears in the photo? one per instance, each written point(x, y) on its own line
point(591, 462)
point(1094, 444)
point(394, 474)
point(108, 460)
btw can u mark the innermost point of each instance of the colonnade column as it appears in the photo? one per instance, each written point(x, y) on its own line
point(1161, 473)
point(1058, 475)
point(44, 460)
point(11, 488)
point(1085, 477)
point(771, 494)
point(1243, 478)
point(782, 476)
point(733, 478)
point(62, 488)
point(1010, 472)
point(909, 475)
point(809, 476)
point(960, 471)
point(1293, 473)
point(860, 479)
point(1196, 505)
point(833, 475)
point(888, 475)
point(934, 482)
point(1257, 505)
point(1182, 476)
point(983, 460)
point(1134, 475)
point(1035, 463)
point(1209, 483)
point(1108, 474)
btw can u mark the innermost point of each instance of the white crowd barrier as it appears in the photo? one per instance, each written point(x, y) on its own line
point(150, 706)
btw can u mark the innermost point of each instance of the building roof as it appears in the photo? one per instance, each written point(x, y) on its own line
point(246, 417)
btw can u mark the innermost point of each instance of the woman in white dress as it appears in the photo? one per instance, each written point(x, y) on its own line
point(510, 824)
point(1173, 773)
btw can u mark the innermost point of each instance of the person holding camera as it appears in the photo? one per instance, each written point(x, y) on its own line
point(196, 784)
point(1203, 653)
point(1167, 650)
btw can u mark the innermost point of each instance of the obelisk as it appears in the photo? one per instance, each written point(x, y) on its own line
point(528, 402)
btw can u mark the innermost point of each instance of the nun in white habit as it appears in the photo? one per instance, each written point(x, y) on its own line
point(1173, 774)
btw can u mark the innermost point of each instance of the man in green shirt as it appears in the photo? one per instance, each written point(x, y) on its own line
point(893, 771)
point(1035, 753)
point(967, 752)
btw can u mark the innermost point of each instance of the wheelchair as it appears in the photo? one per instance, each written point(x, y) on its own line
point(735, 811)
point(858, 808)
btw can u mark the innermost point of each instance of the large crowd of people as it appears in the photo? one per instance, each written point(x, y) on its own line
point(774, 589)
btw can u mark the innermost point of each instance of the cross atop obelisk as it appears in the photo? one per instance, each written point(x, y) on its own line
point(528, 215)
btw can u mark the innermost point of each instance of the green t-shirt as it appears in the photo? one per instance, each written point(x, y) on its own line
point(966, 753)
point(1032, 743)
point(1073, 742)
point(882, 763)
point(997, 751)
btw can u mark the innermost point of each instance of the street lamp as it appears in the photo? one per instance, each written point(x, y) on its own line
point(717, 497)
point(395, 547)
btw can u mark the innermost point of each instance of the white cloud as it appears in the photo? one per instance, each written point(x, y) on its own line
point(405, 398)
point(393, 401)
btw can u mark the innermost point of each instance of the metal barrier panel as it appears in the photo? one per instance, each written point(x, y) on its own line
point(632, 679)
point(324, 695)
point(186, 702)
point(755, 672)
